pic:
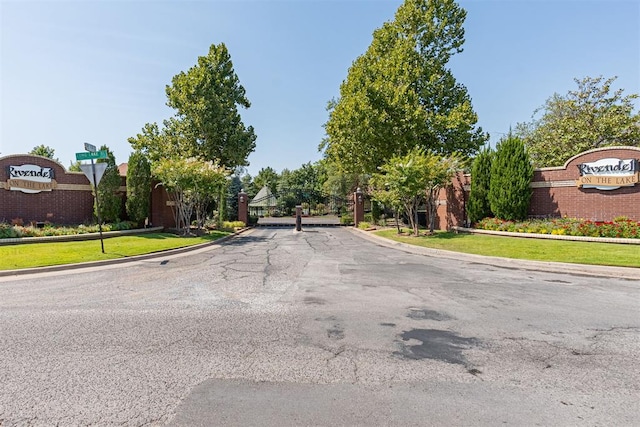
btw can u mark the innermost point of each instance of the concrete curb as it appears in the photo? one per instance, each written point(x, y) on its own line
point(160, 254)
point(628, 273)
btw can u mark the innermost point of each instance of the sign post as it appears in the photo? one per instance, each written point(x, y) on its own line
point(94, 173)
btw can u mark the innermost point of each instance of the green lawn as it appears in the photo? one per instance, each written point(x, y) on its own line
point(526, 248)
point(56, 253)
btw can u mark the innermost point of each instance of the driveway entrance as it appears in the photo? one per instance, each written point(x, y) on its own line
point(320, 327)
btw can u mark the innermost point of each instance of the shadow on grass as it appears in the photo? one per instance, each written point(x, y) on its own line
point(212, 235)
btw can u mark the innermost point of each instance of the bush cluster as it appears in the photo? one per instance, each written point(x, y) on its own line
point(620, 227)
point(9, 231)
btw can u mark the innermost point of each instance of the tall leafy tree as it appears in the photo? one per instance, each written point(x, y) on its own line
point(190, 184)
point(138, 187)
point(233, 189)
point(592, 116)
point(478, 206)
point(400, 94)
point(267, 176)
point(413, 179)
point(206, 99)
point(110, 197)
point(511, 174)
point(44, 151)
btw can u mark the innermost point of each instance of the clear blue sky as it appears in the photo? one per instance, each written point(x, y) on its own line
point(95, 71)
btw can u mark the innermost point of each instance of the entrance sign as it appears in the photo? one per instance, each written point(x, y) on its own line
point(102, 154)
point(31, 179)
point(609, 174)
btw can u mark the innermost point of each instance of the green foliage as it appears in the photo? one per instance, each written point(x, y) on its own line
point(364, 225)
point(191, 184)
point(233, 189)
point(376, 212)
point(110, 197)
point(138, 187)
point(511, 173)
point(478, 206)
point(232, 225)
point(590, 117)
point(75, 166)
point(400, 94)
point(206, 100)
point(267, 176)
point(346, 219)
point(44, 151)
point(407, 181)
point(618, 228)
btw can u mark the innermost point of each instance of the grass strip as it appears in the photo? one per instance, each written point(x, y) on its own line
point(592, 253)
point(57, 253)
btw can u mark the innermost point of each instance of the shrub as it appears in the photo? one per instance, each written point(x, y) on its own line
point(511, 174)
point(346, 219)
point(232, 225)
point(478, 206)
point(363, 225)
point(565, 226)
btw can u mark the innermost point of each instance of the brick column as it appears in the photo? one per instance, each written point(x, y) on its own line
point(243, 207)
point(358, 207)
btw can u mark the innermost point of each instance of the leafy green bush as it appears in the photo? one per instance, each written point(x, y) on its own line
point(346, 219)
point(511, 173)
point(363, 225)
point(478, 206)
point(619, 228)
point(232, 225)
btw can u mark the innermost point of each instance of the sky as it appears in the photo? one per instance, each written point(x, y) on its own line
point(95, 71)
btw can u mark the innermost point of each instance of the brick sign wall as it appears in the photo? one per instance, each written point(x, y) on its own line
point(598, 185)
point(40, 189)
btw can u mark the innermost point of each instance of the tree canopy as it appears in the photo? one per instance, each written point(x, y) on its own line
point(405, 182)
point(44, 151)
point(206, 124)
point(206, 100)
point(400, 94)
point(590, 117)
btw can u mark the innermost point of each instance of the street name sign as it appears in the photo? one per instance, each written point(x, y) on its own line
point(102, 154)
point(89, 147)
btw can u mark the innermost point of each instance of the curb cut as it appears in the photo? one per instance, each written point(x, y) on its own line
point(89, 264)
point(626, 273)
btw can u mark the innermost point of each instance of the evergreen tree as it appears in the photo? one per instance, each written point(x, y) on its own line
point(511, 174)
point(110, 199)
point(478, 206)
point(138, 187)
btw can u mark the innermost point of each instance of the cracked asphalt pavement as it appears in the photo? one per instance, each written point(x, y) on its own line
point(321, 327)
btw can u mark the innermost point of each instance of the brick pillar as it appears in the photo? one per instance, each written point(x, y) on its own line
point(358, 207)
point(243, 207)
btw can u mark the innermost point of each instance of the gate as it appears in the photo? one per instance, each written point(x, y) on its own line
point(317, 208)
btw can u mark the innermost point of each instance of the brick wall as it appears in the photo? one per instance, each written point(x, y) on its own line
point(70, 202)
point(556, 194)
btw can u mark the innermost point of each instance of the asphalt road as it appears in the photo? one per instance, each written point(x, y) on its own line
point(277, 328)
